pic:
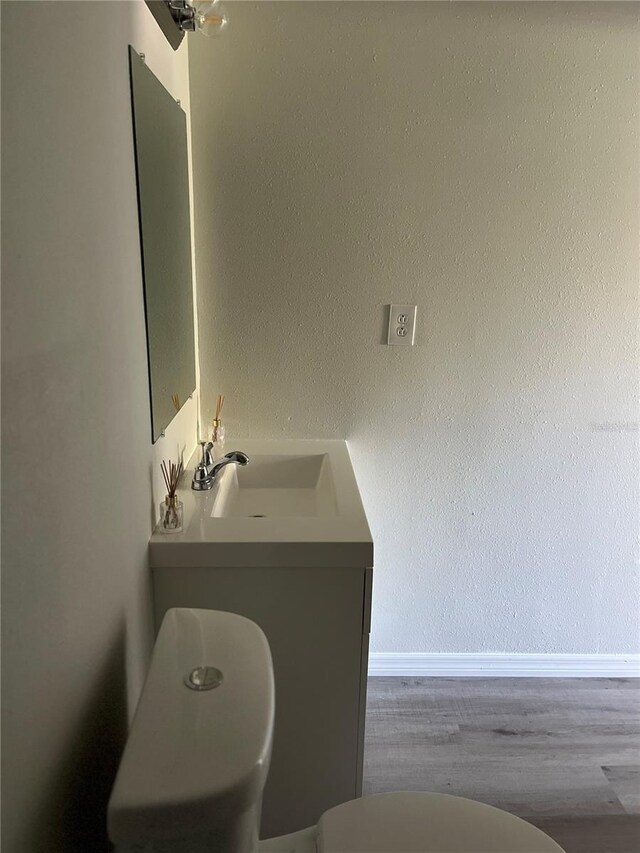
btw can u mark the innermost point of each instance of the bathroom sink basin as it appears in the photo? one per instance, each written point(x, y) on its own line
point(295, 504)
point(286, 486)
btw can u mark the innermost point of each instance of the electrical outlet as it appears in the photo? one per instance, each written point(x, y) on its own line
point(402, 325)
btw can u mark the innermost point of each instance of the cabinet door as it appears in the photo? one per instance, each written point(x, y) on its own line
point(313, 619)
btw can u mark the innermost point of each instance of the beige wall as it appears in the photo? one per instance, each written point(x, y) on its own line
point(481, 161)
point(79, 474)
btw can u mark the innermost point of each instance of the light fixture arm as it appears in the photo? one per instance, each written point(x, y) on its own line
point(183, 14)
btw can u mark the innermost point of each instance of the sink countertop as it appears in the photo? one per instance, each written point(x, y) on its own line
point(338, 540)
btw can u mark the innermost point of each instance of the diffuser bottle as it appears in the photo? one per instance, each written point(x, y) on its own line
point(171, 509)
point(217, 431)
point(171, 515)
point(217, 437)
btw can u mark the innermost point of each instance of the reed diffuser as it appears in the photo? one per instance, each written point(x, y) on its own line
point(171, 509)
point(217, 434)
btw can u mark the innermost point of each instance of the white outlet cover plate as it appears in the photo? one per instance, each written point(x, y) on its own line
point(402, 325)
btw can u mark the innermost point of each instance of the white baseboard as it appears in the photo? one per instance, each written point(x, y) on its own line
point(505, 665)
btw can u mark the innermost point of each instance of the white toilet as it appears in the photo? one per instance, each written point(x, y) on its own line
point(196, 761)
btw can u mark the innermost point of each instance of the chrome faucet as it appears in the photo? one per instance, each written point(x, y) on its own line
point(207, 470)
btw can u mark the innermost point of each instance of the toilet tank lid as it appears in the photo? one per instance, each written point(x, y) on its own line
point(196, 758)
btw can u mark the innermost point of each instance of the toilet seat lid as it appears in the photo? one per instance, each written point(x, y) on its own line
point(416, 822)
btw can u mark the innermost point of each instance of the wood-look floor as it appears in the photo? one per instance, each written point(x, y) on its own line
point(562, 753)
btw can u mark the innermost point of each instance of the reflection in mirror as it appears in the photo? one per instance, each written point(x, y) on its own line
point(160, 133)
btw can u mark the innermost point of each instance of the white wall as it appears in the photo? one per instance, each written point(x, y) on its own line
point(79, 473)
point(481, 161)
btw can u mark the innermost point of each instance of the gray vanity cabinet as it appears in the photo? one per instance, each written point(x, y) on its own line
point(317, 621)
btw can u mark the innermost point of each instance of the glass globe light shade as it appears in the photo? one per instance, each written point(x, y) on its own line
point(211, 18)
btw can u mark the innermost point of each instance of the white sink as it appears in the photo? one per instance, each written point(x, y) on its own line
point(295, 504)
point(285, 486)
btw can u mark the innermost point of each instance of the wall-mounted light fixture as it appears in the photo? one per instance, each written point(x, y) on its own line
point(207, 16)
point(176, 17)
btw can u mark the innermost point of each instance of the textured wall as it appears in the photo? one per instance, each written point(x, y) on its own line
point(481, 161)
point(78, 468)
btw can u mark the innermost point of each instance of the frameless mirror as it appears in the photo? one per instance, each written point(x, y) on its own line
point(160, 134)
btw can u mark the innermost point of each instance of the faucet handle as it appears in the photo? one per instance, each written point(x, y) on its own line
point(207, 460)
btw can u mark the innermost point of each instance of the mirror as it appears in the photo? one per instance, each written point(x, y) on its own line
point(160, 136)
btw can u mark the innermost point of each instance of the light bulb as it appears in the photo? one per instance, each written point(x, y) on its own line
point(210, 18)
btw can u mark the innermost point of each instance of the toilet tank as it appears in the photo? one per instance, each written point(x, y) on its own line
point(197, 756)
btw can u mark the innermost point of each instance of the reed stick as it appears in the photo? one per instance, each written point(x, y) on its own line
point(219, 405)
point(171, 474)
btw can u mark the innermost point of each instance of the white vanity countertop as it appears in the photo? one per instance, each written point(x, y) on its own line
point(340, 538)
